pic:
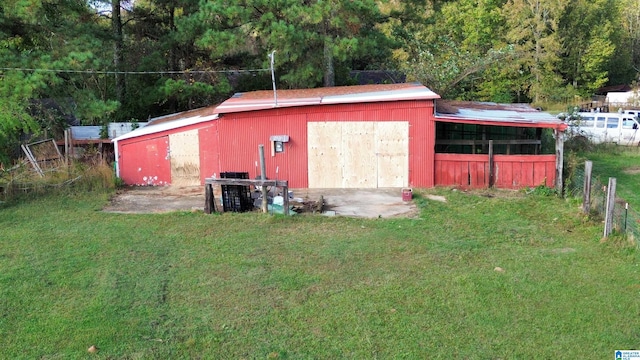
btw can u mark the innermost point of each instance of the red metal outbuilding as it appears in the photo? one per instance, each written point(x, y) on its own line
point(342, 137)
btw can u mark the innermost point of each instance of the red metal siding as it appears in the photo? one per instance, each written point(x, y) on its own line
point(145, 162)
point(209, 150)
point(421, 146)
point(241, 133)
point(129, 161)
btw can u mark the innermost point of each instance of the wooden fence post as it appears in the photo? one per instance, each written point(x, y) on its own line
point(263, 176)
point(611, 200)
point(559, 159)
point(586, 196)
point(492, 169)
point(209, 200)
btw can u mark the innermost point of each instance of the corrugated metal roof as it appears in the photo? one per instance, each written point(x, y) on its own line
point(93, 132)
point(263, 99)
point(157, 127)
point(259, 100)
point(204, 111)
point(494, 112)
point(85, 132)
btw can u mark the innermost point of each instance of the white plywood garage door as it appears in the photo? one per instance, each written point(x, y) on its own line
point(358, 154)
point(185, 158)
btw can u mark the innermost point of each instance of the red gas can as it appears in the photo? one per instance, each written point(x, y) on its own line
point(407, 194)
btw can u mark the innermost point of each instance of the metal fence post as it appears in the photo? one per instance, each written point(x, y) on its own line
point(611, 200)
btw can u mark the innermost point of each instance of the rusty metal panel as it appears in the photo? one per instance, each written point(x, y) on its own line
point(184, 152)
point(145, 162)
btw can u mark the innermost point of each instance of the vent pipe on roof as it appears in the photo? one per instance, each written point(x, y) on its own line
point(272, 57)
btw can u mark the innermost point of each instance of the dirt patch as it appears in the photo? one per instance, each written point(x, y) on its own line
point(157, 199)
point(367, 203)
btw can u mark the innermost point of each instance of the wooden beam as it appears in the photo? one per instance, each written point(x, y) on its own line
point(559, 159)
point(491, 165)
point(209, 202)
point(247, 182)
point(486, 142)
point(611, 203)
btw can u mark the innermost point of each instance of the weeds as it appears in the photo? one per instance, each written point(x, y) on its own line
point(22, 182)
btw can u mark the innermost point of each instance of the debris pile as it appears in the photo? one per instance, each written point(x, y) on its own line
point(297, 205)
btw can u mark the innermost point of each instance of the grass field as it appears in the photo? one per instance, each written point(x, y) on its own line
point(252, 286)
point(622, 165)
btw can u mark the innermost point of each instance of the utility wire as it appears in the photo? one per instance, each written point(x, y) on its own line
point(133, 72)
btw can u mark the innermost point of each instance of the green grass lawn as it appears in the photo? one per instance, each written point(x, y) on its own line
point(253, 286)
point(624, 165)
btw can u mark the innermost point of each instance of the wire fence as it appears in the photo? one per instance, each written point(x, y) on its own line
point(625, 219)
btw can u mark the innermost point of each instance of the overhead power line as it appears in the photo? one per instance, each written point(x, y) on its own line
point(108, 72)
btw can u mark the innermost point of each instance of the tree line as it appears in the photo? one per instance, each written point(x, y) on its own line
point(99, 61)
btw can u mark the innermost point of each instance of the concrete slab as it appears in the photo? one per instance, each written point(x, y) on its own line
point(365, 203)
point(362, 203)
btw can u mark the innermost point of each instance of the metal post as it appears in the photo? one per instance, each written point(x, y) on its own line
point(263, 176)
point(626, 215)
point(272, 57)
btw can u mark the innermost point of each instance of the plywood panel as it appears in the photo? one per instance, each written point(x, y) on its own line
point(185, 158)
point(359, 158)
point(392, 151)
point(324, 141)
point(363, 154)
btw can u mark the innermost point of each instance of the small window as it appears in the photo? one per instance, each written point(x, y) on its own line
point(612, 123)
point(628, 123)
point(587, 121)
point(600, 121)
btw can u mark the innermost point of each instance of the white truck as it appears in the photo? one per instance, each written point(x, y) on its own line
point(619, 128)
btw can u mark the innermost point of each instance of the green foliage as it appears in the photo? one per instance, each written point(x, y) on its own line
point(180, 55)
point(104, 131)
point(309, 38)
point(541, 190)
